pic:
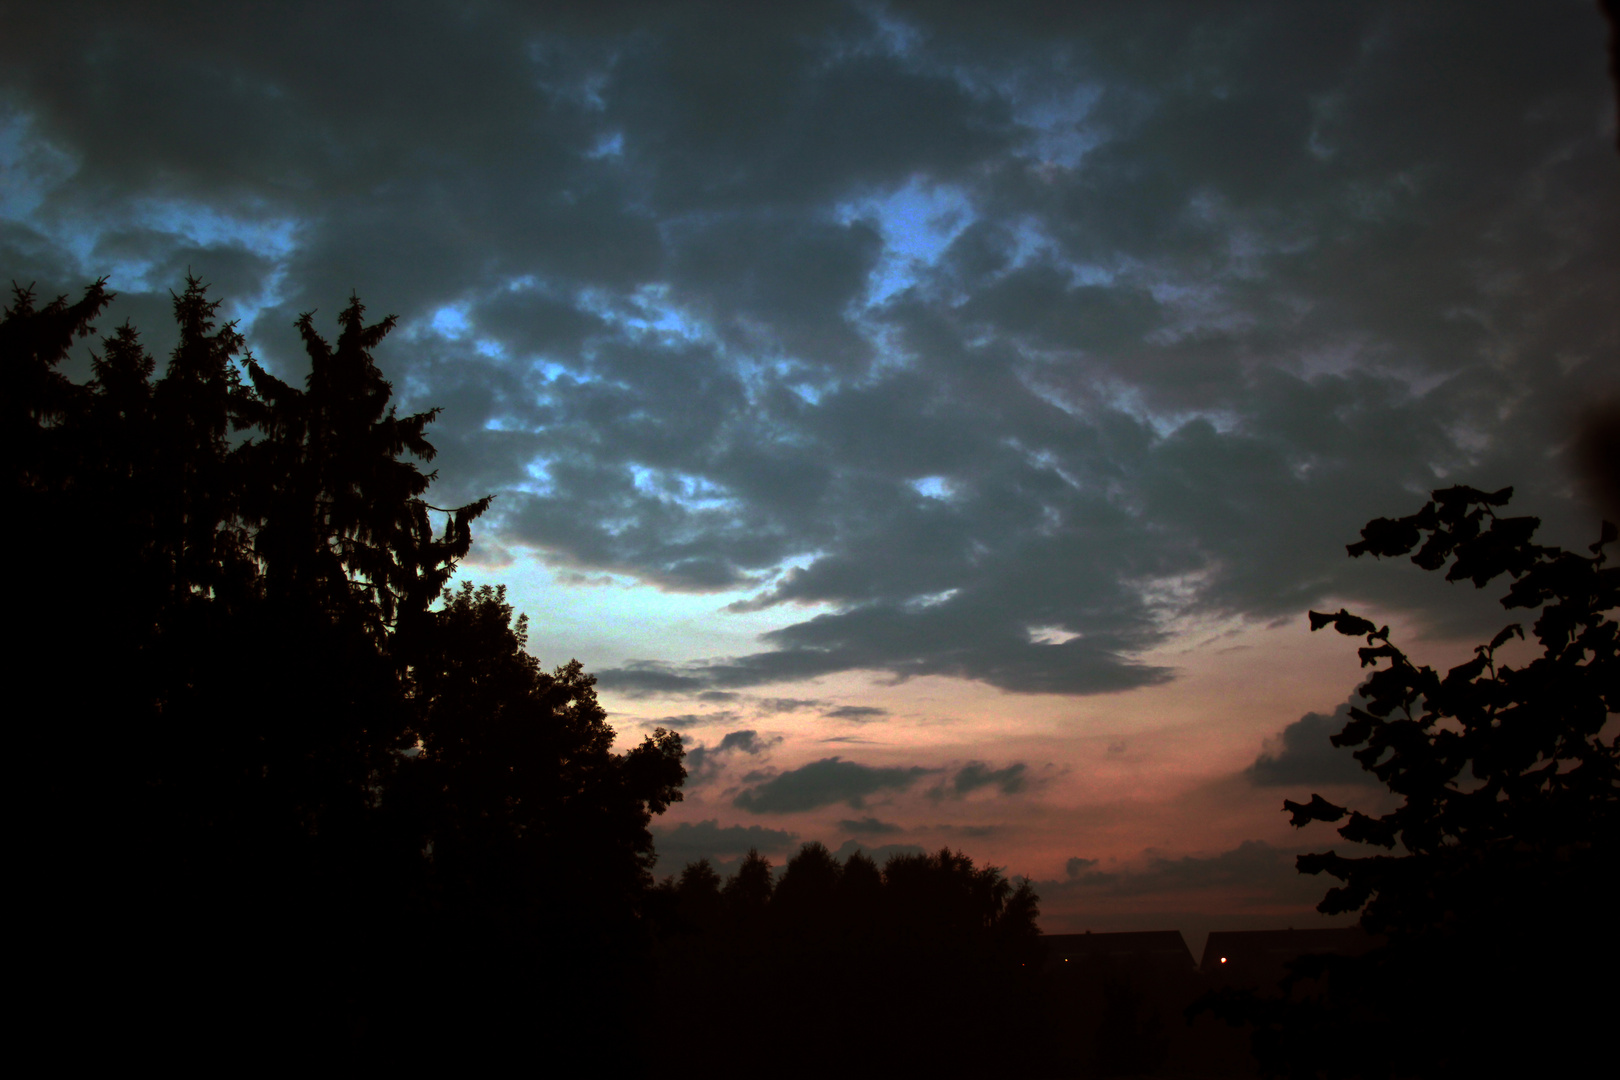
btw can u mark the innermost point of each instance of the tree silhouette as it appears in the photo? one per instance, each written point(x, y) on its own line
point(259, 724)
point(931, 942)
point(749, 890)
point(1497, 910)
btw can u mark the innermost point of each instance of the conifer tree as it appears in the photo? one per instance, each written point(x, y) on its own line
point(256, 720)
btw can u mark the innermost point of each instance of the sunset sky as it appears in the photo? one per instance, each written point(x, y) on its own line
point(943, 415)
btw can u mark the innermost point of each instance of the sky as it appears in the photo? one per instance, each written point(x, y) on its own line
point(943, 415)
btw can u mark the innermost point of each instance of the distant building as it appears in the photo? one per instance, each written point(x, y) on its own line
point(1259, 958)
point(1156, 950)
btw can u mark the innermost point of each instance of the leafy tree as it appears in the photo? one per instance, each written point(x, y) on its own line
point(1497, 908)
point(944, 896)
point(749, 890)
point(860, 893)
point(515, 780)
point(699, 897)
point(805, 898)
point(929, 942)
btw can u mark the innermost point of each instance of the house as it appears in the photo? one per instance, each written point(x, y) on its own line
point(1147, 950)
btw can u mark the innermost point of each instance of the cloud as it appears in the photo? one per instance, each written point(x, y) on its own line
point(704, 763)
point(973, 832)
point(685, 721)
point(1302, 754)
point(787, 705)
point(748, 742)
point(977, 775)
point(688, 842)
point(825, 783)
point(1077, 866)
point(1261, 871)
point(857, 713)
point(869, 826)
point(574, 577)
point(646, 678)
point(1250, 862)
point(936, 324)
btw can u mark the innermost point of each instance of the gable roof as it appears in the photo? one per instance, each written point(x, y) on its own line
point(1136, 946)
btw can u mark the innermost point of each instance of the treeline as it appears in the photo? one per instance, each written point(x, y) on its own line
point(929, 965)
point(277, 788)
point(283, 793)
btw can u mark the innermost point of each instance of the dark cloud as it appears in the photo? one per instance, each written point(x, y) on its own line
point(914, 640)
point(786, 705)
point(574, 577)
point(1254, 867)
point(858, 713)
point(1302, 754)
point(825, 783)
point(972, 832)
point(1003, 339)
point(1078, 865)
point(869, 826)
point(748, 742)
point(645, 679)
point(977, 775)
point(703, 763)
point(689, 842)
point(682, 721)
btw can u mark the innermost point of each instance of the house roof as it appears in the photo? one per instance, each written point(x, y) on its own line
point(1157, 946)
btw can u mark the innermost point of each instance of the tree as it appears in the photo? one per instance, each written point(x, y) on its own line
point(1497, 912)
point(256, 722)
point(514, 788)
point(338, 514)
point(930, 942)
point(805, 901)
point(748, 891)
